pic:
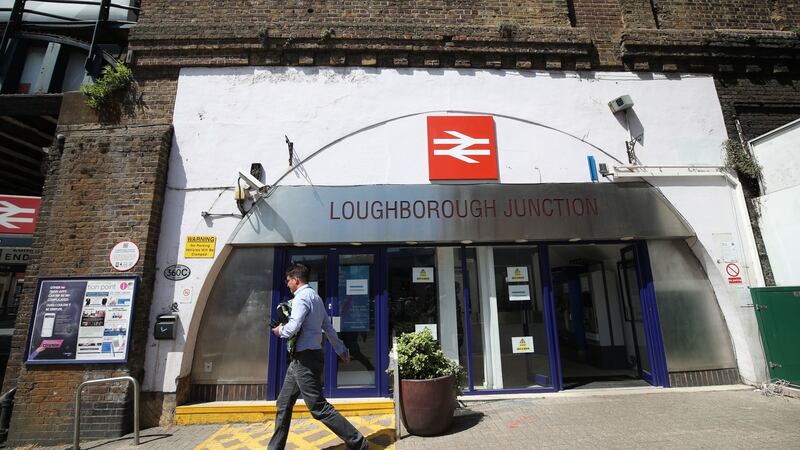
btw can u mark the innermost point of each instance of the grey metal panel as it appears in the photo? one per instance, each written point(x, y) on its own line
point(233, 334)
point(694, 331)
point(453, 213)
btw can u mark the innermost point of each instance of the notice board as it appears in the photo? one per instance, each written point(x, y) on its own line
point(82, 320)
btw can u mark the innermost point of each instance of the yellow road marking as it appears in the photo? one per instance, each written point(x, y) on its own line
point(311, 434)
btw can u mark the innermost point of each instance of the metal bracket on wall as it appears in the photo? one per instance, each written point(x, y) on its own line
point(756, 307)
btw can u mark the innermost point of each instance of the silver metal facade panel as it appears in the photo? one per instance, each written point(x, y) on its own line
point(231, 346)
point(453, 213)
point(694, 331)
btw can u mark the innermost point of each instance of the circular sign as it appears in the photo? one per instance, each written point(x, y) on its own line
point(177, 272)
point(124, 256)
point(732, 270)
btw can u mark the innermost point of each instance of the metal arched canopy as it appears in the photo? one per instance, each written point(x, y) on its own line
point(456, 213)
point(65, 40)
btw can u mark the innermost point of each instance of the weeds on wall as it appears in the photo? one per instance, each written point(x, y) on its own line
point(507, 30)
point(740, 160)
point(112, 81)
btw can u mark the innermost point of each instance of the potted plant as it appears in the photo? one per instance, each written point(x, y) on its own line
point(429, 384)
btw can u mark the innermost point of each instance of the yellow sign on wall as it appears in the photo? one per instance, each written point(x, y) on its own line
point(200, 246)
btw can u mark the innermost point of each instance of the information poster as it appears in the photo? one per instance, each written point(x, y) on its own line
point(82, 320)
point(518, 292)
point(354, 303)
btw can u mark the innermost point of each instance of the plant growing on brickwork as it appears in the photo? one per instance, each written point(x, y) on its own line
point(419, 357)
point(740, 160)
point(507, 30)
point(113, 80)
point(263, 36)
point(326, 34)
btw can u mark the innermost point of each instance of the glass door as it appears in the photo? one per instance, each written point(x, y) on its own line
point(357, 316)
point(350, 284)
point(317, 261)
point(633, 304)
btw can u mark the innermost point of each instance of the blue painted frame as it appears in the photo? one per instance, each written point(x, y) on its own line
point(382, 350)
point(647, 294)
point(277, 364)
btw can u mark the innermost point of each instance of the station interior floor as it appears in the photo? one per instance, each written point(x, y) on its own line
point(578, 375)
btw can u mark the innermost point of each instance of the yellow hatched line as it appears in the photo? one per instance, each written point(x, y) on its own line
point(242, 435)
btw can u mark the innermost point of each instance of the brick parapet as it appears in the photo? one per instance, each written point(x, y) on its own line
point(106, 186)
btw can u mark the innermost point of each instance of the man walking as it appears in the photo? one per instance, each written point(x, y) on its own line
point(308, 321)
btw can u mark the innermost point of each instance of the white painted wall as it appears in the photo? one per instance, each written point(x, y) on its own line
point(370, 126)
point(779, 207)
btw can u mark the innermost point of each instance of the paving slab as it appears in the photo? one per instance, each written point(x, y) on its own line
point(741, 418)
point(738, 417)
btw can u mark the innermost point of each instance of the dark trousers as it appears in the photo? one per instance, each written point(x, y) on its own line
point(304, 377)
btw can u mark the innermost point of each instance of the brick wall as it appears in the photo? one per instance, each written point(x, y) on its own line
point(709, 15)
point(323, 14)
point(760, 103)
point(106, 187)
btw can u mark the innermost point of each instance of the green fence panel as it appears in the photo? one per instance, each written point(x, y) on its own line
point(778, 314)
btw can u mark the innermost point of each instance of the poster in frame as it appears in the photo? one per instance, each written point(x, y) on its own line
point(82, 320)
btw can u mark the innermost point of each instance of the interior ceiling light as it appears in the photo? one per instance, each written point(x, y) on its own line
point(576, 239)
point(412, 242)
point(299, 244)
point(355, 243)
point(466, 242)
point(626, 238)
point(521, 241)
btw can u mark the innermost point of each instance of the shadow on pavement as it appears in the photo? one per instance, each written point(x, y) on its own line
point(380, 439)
point(463, 420)
point(143, 439)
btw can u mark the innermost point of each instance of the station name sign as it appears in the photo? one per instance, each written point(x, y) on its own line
point(461, 209)
point(449, 213)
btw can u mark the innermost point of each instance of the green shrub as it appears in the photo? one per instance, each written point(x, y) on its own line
point(419, 357)
point(112, 80)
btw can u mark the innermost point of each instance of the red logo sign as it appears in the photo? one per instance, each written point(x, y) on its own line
point(18, 214)
point(462, 148)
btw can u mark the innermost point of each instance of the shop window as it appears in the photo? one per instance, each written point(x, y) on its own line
point(413, 291)
point(521, 335)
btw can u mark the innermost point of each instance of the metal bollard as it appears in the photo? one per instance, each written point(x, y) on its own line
point(76, 436)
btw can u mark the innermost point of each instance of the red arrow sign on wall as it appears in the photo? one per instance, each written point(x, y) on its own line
point(18, 214)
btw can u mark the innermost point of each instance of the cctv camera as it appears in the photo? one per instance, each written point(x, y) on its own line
point(620, 103)
point(252, 181)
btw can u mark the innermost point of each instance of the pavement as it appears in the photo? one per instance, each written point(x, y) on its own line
point(709, 417)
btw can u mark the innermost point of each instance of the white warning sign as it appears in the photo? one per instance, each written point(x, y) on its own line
point(422, 274)
point(517, 274)
point(522, 344)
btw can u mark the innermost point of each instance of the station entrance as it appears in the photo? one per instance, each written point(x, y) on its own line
point(518, 317)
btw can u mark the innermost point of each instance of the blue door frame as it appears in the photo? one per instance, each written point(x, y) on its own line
point(330, 297)
point(658, 375)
